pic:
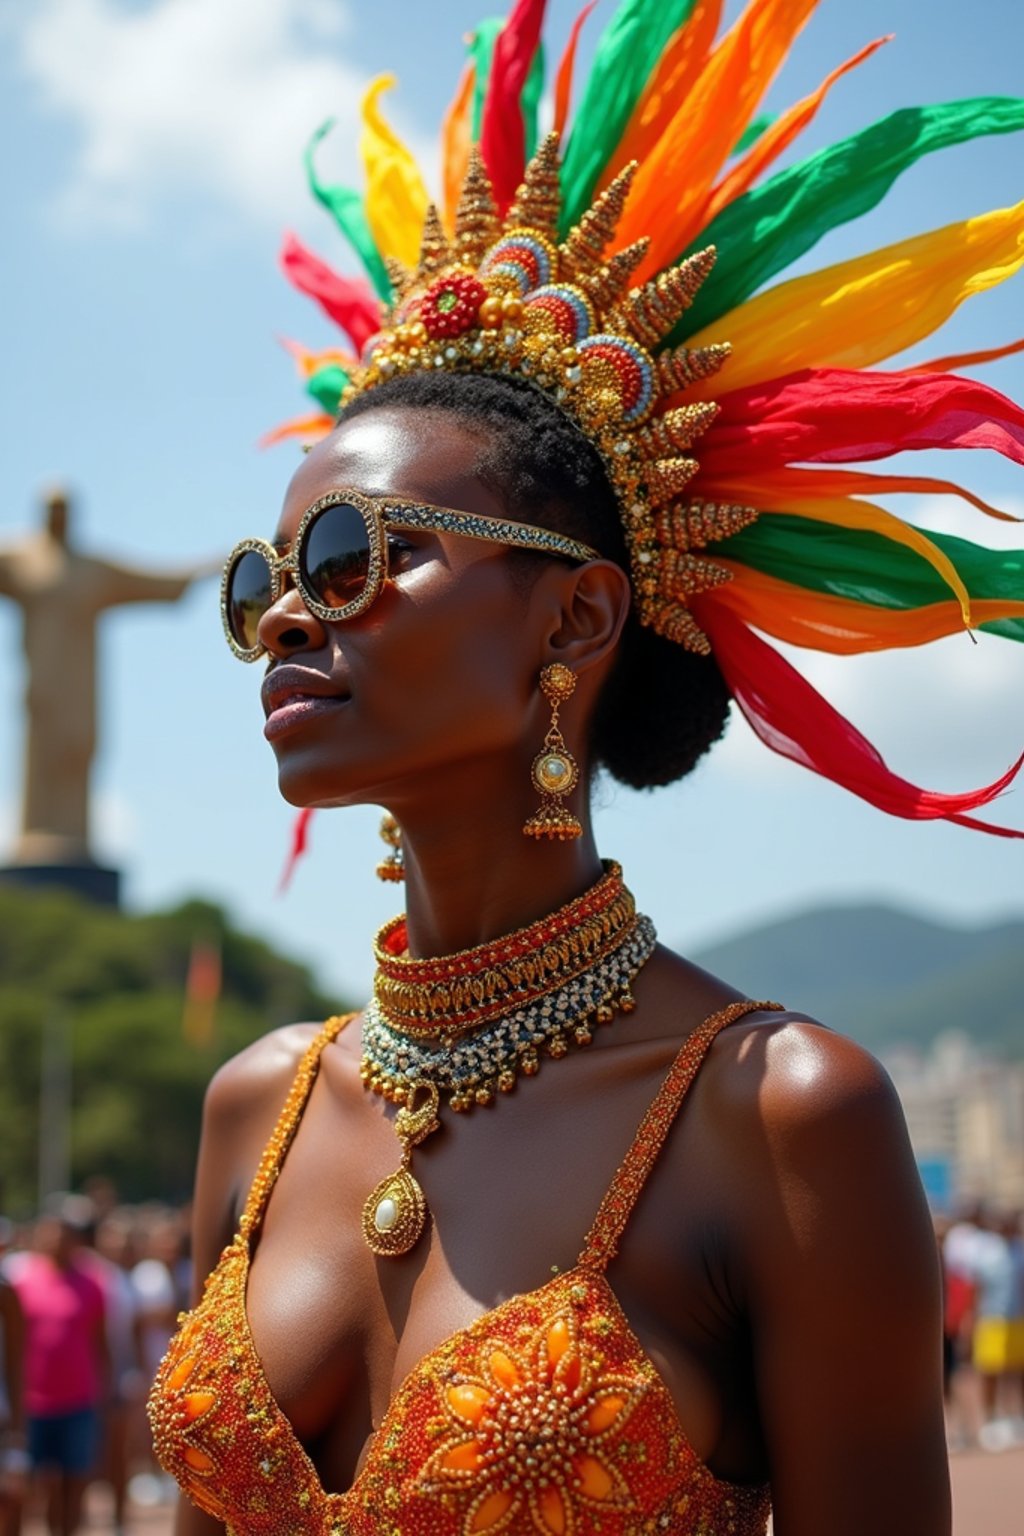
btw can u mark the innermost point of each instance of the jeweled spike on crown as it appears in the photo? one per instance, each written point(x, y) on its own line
point(700, 523)
point(687, 365)
point(653, 309)
point(679, 428)
point(435, 252)
point(677, 623)
point(399, 276)
point(584, 249)
point(606, 286)
point(667, 477)
point(477, 224)
point(683, 575)
point(537, 203)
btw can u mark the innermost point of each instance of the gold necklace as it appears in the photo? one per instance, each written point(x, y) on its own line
point(447, 997)
point(517, 1025)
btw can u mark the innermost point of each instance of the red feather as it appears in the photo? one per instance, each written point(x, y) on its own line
point(792, 718)
point(300, 839)
point(836, 415)
point(502, 132)
point(349, 301)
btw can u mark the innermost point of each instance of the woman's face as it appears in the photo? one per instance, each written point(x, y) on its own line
point(428, 689)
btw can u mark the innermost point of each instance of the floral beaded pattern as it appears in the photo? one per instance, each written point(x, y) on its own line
point(543, 1418)
point(217, 1428)
point(536, 1432)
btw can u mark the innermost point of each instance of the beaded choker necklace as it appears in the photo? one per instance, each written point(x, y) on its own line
point(466, 1025)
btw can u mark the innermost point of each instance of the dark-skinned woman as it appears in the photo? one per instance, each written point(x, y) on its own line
point(561, 1234)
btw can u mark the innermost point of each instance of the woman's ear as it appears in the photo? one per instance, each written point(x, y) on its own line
point(587, 607)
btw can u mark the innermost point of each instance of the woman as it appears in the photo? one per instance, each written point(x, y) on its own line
point(486, 584)
point(796, 1342)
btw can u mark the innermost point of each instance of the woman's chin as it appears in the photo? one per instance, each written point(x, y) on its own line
point(306, 788)
point(309, 787)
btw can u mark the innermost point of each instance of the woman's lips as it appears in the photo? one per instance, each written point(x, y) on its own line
point(294, 713)
point(293, 696)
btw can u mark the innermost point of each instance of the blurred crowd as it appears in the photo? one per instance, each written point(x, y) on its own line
point(89, 1295)
point(982, 1251)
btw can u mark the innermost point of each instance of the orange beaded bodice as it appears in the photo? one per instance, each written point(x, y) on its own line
point(544, 1416)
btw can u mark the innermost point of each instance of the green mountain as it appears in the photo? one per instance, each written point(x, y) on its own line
point(884, 976)
point(101, 994)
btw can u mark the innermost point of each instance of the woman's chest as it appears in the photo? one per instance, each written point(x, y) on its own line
point(547, 1395)
point(338, 1330)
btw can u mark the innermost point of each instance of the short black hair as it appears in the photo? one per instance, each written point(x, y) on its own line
point(662, 707)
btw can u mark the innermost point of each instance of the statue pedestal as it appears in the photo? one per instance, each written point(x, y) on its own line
point(93, 882)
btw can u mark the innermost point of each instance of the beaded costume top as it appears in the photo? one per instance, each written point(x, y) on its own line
point(544, 1416)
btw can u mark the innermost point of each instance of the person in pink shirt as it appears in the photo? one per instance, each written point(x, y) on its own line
point(65, 1362)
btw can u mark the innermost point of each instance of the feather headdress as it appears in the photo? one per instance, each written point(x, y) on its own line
point(628, 265)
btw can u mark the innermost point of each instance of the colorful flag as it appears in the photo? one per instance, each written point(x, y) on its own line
point(202, 991)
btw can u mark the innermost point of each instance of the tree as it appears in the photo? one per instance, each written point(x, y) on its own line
point(117, 982)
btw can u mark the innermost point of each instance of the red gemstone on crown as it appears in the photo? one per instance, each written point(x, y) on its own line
point(451, 306)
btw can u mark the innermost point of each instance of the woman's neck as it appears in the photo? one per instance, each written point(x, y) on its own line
point(467, 888)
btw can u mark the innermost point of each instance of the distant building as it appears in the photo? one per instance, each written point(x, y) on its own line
point(965, 1113)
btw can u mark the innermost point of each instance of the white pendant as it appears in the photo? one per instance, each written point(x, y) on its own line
point(386, 1214)
point(394, 1215)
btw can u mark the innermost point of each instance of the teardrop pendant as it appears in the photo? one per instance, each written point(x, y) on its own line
point(394, 1215)
point(395, 1211)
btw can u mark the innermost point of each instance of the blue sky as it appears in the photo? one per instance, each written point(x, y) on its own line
point(151, 159)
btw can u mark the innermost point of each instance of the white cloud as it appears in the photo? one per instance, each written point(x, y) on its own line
point(946, 514)
point(207, 97)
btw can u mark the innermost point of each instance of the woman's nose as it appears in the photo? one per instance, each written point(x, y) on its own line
point(288, 626)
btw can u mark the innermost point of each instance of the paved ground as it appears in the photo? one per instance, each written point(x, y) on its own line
point(988, 1493)
point(988, 1500)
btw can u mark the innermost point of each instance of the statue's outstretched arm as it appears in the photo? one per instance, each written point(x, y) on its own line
point(10, 586)
point(129, 584)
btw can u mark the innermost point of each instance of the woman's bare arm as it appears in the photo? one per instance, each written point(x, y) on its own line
point(844, 1297)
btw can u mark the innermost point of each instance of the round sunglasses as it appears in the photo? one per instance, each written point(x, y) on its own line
point(338, 560)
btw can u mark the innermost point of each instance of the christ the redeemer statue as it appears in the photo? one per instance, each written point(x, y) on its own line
point(62, 594)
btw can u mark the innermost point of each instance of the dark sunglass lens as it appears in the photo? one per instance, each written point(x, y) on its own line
point(249, 595)
point(335, 558)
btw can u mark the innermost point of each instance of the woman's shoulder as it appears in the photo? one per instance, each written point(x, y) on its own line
point(259, 1075)
point(806, 1121)
point(241, 1107)
point(778, 1066)
point(790, 1070)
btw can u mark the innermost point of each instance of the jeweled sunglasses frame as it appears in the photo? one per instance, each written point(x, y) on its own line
point(380, 513)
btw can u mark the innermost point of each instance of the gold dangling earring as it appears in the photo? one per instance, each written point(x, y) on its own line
point(555, 771)
point(393, 866)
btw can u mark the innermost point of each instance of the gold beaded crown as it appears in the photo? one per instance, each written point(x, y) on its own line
point(504, 296)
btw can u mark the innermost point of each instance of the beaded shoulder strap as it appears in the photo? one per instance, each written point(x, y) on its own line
point(602, 1241)
point(287, 1124)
